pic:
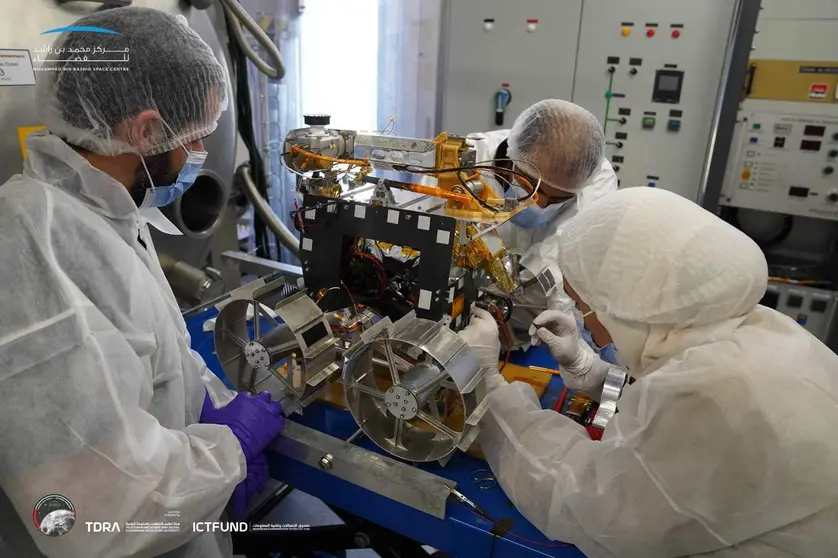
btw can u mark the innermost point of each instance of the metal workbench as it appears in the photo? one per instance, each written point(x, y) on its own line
point(462, 533)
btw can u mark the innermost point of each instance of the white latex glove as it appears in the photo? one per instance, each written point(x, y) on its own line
point(481, 334)
point(580, 369)
point(560, 333)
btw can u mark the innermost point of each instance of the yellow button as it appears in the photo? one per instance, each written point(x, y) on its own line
point(626, 31)
point(746, 174)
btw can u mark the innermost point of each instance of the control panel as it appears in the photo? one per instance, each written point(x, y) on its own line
point(814, 309)
point(784, 163)
point(650, 72)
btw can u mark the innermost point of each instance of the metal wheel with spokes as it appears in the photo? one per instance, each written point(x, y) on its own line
point(252, 355)
point(406, 390)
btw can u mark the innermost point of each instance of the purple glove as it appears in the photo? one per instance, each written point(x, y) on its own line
point(257, 476)
point(255, 421)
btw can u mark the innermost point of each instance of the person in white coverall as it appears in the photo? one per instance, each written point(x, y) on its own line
point(563, 144)
point(726, 443)
point(103, 402)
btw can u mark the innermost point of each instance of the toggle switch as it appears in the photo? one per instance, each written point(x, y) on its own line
point(502, 99)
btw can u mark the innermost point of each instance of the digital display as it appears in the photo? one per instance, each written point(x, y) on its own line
point(818, 131)
point(810, 145)
point(799, 192)
point(668, 83)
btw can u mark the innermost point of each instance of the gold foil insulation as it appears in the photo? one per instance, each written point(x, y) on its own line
point(487, 251)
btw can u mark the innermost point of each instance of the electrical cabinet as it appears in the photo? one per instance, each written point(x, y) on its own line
point(813, 309)
point(527, 48)
point(650, 72)
point(785, 163)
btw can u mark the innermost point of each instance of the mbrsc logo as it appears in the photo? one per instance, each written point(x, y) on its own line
point(80, 29)
point(54, 515)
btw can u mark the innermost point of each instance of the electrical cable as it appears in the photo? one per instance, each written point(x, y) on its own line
point(530, 185)
point(506, 335)
point(489, 295)
point(381, 273)
point(312, 155)
point(425, 171)
point(238, 16)
point(299, 223)
point(497, 170)
point(244, 113)
point(351, 299)
point(560, 401)
point(508, 533)
point(477, 198)
point(263, 210)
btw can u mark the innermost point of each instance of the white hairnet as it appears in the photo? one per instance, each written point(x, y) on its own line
point(170, 69)
point(650, 256)
point(561, 139)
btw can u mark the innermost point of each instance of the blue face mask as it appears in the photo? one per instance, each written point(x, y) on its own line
point(533, 215)
point(607, 353)
point(160, 196)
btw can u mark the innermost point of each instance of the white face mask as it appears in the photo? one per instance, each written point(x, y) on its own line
point(630, 340)
point(533, 215)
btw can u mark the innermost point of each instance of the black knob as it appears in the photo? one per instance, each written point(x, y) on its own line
point(623, 120)
point(616, 168)
point(833, 153)
point(317, 119)
point(829, 170)
point(619, 145)
point(611, 69)
point(833, 197)
point(633, 71)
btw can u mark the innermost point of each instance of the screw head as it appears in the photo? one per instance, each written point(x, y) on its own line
point(362, 540)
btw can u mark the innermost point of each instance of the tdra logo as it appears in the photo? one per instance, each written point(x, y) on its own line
point(54, 515)
point(102, 527)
